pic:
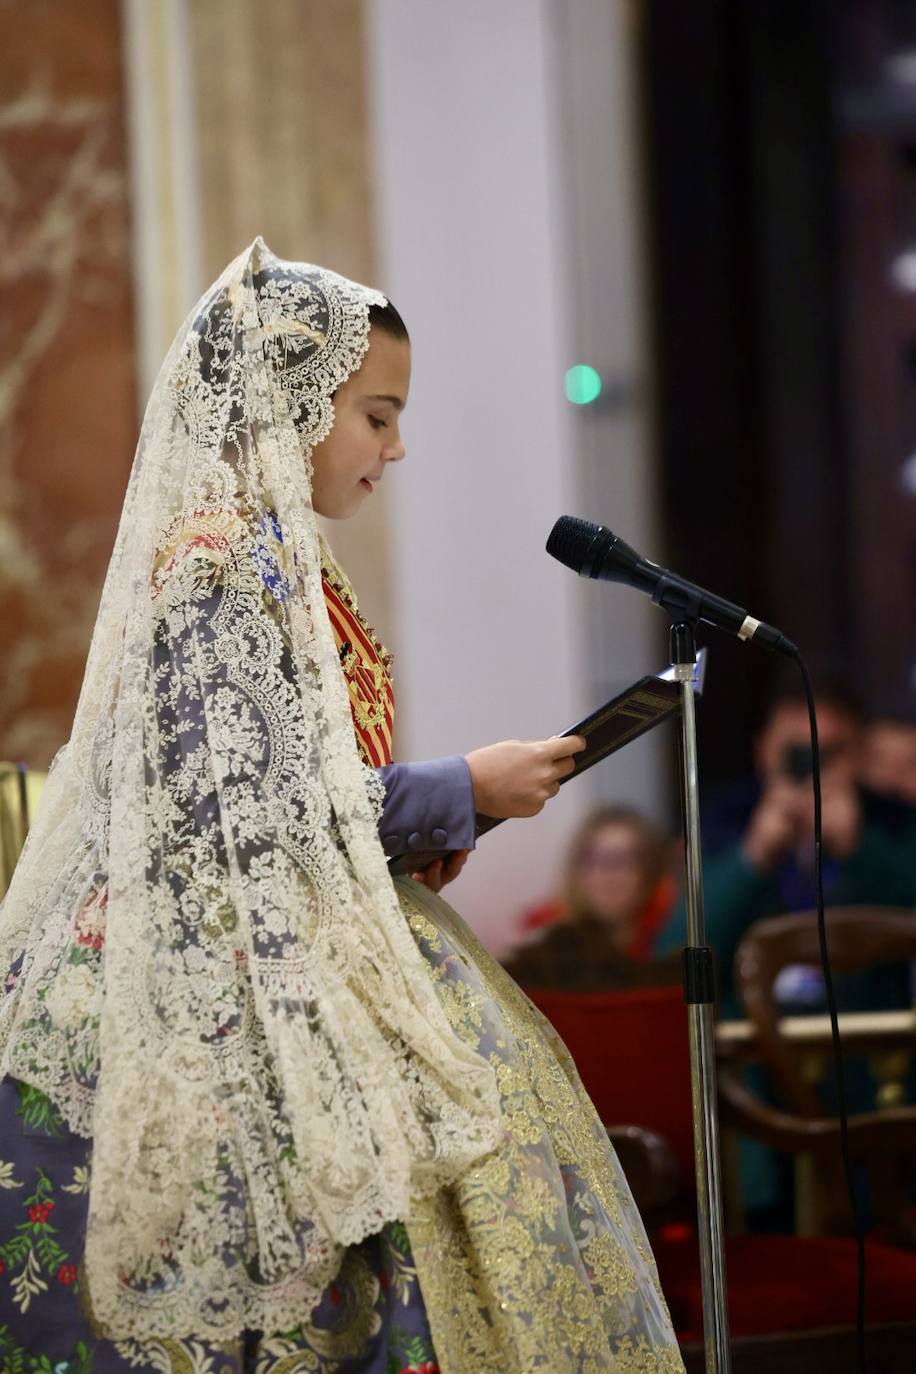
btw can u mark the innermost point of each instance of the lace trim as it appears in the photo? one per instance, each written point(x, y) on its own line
point(210, 973)
point(377, 792)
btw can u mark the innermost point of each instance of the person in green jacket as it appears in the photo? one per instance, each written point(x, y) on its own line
point(758, 861)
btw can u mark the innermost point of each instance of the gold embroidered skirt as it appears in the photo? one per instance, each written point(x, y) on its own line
point(537, 1259)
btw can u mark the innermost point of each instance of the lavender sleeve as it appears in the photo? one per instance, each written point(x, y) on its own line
point(428, 805)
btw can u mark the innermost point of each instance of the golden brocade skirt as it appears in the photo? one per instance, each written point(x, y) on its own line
point(537, 1259)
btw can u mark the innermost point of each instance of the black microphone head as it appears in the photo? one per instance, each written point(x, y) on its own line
point(593, 550)
point(571, 540)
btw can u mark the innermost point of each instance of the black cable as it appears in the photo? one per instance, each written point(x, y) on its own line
point(839, 1069)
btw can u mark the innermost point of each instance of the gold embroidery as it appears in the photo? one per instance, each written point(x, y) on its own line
point(337, 578)
point(537, 1258)
point(369, 714)
point(367, 673)
point(181, 1357)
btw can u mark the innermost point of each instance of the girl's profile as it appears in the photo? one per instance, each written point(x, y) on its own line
point(264, 1106)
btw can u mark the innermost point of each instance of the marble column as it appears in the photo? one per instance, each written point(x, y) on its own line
point(67, 403)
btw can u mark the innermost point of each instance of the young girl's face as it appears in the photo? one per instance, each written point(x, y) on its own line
point(611, 876)
point(365, 437)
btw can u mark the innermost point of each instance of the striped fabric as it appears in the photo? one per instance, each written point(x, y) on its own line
point(367, 668)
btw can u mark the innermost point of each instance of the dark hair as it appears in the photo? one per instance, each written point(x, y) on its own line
point(832, 687)
point(900, 713)
point(386, 318)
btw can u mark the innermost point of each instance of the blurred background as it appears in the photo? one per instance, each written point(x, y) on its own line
point(658, 262)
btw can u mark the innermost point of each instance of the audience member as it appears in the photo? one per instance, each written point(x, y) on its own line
point(889, 758)
point(887, 777)
point(758, 860)
point(618, 891)
point(758, 844)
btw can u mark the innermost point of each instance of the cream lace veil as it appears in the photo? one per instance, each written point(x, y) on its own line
point(210, 972)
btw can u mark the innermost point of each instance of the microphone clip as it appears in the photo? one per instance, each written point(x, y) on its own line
point(682, 601)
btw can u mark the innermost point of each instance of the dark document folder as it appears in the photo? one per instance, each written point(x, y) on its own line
point(627, 716)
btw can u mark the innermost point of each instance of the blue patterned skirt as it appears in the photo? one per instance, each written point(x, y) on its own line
point(371, 1319)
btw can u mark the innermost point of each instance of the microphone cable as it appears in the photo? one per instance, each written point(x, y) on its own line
point(595, 551)
point(839, 1068)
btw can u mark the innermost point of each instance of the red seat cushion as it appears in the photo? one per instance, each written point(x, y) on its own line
point(788, 1283)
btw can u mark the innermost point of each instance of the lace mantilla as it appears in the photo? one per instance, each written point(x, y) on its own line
point(209, 969)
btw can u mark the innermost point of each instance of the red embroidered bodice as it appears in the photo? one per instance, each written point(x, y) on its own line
point(366, 667)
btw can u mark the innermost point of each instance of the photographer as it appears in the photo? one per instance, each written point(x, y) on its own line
point(758, 860)
point(759, 852)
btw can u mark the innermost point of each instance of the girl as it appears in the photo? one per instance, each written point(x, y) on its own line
point(264, 1107)
point(618, 893)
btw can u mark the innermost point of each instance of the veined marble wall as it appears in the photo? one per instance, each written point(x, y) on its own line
point(245, 118)
point(67, 404)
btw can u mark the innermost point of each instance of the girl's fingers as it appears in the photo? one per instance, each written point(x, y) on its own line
point(430, 876)
point(442, 871)
point(454, 865)
point(561, 746)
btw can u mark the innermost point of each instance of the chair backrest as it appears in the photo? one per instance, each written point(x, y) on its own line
point(632, 1052)
point(19, 794)
point(858, 937)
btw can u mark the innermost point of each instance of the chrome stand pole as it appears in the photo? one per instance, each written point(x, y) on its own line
point(699, 994)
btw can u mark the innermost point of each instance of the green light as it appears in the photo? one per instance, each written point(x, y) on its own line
point(583, 385)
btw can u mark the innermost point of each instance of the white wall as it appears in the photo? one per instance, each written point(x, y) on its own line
point(593, 45)
point(475, 238)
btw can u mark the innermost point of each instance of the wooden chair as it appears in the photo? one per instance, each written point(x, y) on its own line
point(20, 790)
point(883, 1141)
point(858, 937)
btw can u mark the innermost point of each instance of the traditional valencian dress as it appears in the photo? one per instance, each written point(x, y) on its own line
point(264, 1108)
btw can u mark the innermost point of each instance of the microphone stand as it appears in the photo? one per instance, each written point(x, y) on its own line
point(699, 994)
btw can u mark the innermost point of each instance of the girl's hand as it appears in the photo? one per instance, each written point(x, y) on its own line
point(516, 777)
point(442, 871)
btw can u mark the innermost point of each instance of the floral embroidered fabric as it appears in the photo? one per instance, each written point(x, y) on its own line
point(371, 1318)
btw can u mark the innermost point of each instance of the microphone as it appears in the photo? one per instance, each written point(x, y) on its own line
point(593, 551)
